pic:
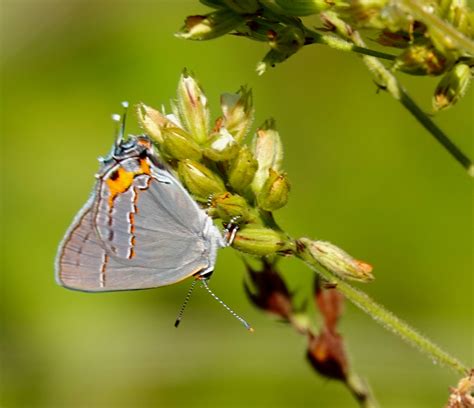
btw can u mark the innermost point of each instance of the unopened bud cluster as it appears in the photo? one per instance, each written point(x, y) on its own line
point(425, 42)
point(232, 180)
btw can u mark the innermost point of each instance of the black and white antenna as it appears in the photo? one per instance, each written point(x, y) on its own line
point(186, 300)
point(120, 121)
point(243, 321)
point(204, 284)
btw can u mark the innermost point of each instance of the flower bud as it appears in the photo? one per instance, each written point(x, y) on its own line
point(421, 60)
point(210, 25)
point(217, 4)
point(257, 29)
point(221, 146)
point(238, 113)
point(229, 205)
point(270, 292)
point(242, 6)
point(193, 109)
point(261, 241)
point(268, 150)
point(199, 180)
point(338, 261)
point(368, 13)
point(179, 145)
point(242, 169)
point(274, 193)
point(452, 87)
point(326, 353)
point(304, 7)
point(283, 43)
point(152, 121)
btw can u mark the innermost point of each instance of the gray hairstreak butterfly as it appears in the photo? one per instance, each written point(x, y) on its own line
point(139, 229)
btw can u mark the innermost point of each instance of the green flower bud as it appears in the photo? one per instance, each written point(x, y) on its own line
point(200, 181)
point(229, 205)
point(217, 4)
point(270, 59)
point(179, 145)
point(304, 7)
point(283, 43)
point(274, 193)
point(452, 87)
point(152, 121)
point(368, 13)
point(221, 146)
point(242, 169)
point(258, 29)
point(261, 241)
point(238, 113)
point(242, 6)
point(193, 109)
point(210, 25)
point(268, 150)
point(338, 261)
point(421, 60)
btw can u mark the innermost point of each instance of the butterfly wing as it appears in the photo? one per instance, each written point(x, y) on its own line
point(143, 222)
point(83, 263)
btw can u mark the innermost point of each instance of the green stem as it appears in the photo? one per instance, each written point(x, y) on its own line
point(437, 133)
point(379, 313)
point(337, 43)
point(389, 82)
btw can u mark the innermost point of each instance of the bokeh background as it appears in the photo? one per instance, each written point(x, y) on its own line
point(364, 175)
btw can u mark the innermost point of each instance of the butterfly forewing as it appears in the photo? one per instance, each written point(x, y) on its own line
point(140, 229)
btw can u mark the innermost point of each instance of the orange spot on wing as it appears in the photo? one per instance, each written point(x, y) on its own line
point(121, 180)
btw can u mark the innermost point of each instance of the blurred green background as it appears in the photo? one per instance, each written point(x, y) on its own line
point(365, 176)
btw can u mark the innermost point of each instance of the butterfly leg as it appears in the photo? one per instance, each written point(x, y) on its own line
point(231, 230)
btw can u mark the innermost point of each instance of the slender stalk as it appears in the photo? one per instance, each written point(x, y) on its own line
point(337, 43)
point(389, 82)
point(381, 315)
point(437, 133)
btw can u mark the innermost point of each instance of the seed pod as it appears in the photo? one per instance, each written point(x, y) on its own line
point(338, 261)
point(261, 241)
point(242, 169)
point(193, 108)
point(268, 150)
point(421, 60)
point(210, 25)
point(242, 6)
point(199, 180)
point(179, 145)
point(274, 193)
point(304, 7)
point(452, 87)
point(152, 121)
point(228, 206)
point(283, 43)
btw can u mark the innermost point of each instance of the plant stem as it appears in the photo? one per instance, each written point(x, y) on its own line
point(337, 43)
point(379, 313)
point(437, 133)
point(389, 82)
